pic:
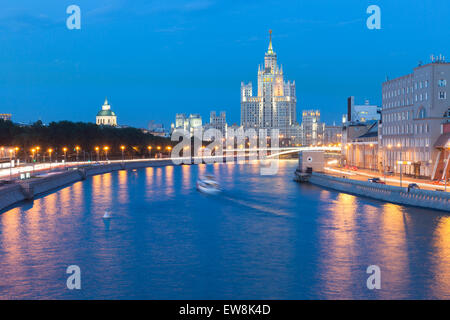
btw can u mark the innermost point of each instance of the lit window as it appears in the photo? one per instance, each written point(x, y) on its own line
point(442, 95)
point(422, 113)
point(442, 83)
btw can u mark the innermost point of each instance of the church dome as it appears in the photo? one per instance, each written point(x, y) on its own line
point(106, 113)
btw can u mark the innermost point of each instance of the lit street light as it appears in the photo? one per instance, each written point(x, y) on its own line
point(122, 148)
point(10, 163)
point(97, 150)
point(149, 151)
point(401, 163)
point(77, 149)
point(106, 148)
point(65, 156)
point(50, 156)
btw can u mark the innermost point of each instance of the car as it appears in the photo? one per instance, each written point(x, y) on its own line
point(439, 182)
point(390, 173)
point(375, 180)
point(413, 186)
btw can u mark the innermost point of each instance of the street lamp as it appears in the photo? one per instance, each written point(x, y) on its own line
point(384, 160)
point(16, 150)
point(32, 157)
point(50, 156)
point(97, 150)
point(149, 151)
point(399, 145)
point(37, 153)
point(65, 155)
point(77, 149)
point(10, 163)
point(106, 148)
point(122, 148)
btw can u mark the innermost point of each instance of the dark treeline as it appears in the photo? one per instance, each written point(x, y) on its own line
point(58, 135)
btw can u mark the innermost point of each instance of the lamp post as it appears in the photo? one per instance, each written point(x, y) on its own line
point(37, 153)
point(385, 156)
point(65, 156)
point(106, 148)
point(399, 145)
point(122, 148)
point(158, 148)
point(149, 151)
point(32, 157)
point(16, 151)
point(10, 163)
point(77, 149)
point(97, 150)
point(50, 156)
point(372, 156)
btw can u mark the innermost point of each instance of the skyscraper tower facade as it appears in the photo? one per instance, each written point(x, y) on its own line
point(274, 106)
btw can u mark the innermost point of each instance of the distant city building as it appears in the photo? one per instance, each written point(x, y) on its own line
point(415, 107)
point(106, 116)
point(360, 144)
point(443, 146)
point(332, 134)
point(218, 122)
point(156, 129)
point(312, 130)
point(362, 113)
point(5, 116)
point(274, 106)
point(187, 123)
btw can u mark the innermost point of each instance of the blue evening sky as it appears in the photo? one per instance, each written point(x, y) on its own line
point(153, 59)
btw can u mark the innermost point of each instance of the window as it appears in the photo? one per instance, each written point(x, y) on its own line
point(422, 113)
point(442, 95)
point(442, 83)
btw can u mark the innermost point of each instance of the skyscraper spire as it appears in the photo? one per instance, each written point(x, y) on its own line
point(270, 51)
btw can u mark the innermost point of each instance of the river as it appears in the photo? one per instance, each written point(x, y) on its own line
point(263, 237)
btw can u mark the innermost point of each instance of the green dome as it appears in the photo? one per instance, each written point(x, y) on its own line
point(105, 113)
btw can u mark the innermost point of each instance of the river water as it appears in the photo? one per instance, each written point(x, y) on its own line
point(263, 237)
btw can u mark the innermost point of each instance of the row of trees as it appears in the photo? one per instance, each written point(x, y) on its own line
point(87, 136)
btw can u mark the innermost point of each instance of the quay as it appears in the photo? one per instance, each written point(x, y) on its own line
point(311, 170)
point(21, 190)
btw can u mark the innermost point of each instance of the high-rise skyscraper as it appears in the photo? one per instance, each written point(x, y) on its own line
point(274, 106)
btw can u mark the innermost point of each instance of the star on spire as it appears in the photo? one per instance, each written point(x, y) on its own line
point(270, 51)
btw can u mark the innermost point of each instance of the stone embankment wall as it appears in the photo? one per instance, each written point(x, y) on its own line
point(419, 198)
point(26, 190)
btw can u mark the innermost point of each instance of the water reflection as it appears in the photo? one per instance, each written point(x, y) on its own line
point(263, 237)
point(338, 247)
point(441, 260)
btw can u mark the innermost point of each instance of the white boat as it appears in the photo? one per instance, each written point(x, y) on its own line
point(208, 184)
point(107, 215)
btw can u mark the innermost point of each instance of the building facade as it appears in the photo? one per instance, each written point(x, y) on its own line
point(218, 122)
point(362, 113)
point(312, 130)
point(414, 108)
point(106, 117)
point(332, 134)
point(274, 105)
point(360, 144)
point(188, 123)
point(5, 116)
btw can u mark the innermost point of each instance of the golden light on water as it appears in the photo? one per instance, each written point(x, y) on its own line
point(441, 258)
